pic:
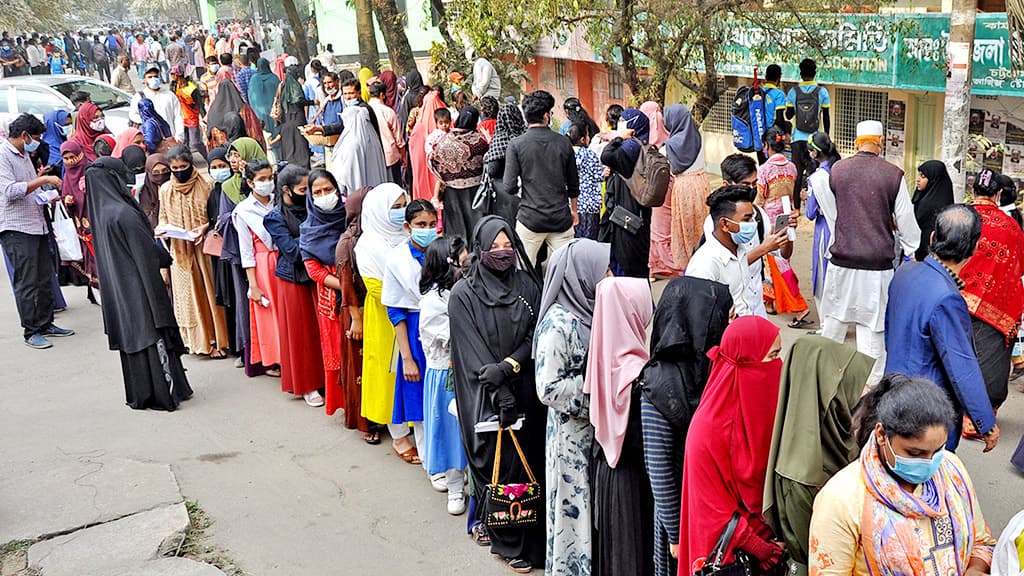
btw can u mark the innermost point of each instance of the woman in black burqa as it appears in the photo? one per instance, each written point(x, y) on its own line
point(495, 307)
point(137, 314)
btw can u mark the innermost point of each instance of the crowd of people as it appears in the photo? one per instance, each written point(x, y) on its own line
point(476, 287)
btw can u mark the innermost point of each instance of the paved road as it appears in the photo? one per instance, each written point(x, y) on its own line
point(291, 492)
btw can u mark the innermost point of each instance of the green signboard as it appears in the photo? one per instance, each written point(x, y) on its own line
point(906, 52)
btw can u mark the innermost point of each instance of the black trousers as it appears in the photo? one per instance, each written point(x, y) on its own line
point(29, 255)
point(103, 70)
point(802, 160)
point(994, 359)
point(395, 173)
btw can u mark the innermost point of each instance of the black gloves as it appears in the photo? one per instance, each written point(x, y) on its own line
point(505, 403)
point(494, 375)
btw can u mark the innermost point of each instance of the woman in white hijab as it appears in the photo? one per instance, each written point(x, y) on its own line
point(358, 158)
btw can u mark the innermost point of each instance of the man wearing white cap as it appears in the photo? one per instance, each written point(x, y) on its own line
point(870, 195)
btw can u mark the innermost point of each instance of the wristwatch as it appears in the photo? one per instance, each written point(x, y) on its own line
point(515, 365)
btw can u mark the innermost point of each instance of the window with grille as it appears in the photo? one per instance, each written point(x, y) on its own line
point(719, 120)
point(615, 82)
point(560, 74)
point(850, 106)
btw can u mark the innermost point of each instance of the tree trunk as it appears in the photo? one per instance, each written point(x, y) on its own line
point(957, 111)
point(624, 33)
point(392, 26)
point(708, 94)
point(442, 25)
point(298, 28)
point(366, 34)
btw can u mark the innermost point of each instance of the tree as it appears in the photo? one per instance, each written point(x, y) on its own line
point(42, 16)
point(392, 27)
point(298, 28)
point(366, 34)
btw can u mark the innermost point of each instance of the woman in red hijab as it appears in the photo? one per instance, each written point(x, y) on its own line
point(89, 125)
point(727, 448)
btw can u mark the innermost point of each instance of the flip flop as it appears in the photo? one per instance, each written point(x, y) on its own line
point(798, 323)
point(371, 438)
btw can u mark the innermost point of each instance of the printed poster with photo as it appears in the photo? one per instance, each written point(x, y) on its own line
point(1012, 158)
point(897, 115)
point(994, 160)
point(977, 122)
point(995, 127)
point(895, 146)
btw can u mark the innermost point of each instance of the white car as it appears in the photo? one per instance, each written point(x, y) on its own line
point(42, 93)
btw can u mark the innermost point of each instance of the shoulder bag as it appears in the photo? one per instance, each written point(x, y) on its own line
point(626, 220)
point(742, 565)
point(512, 505)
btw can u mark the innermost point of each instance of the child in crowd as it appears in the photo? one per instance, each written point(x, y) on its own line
point(443, 119)
point(591, 177)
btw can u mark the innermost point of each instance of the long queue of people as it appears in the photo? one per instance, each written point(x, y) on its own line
point(461, 306)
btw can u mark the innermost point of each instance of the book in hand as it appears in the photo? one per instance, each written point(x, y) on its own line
point(492, 425)
point(175, 232)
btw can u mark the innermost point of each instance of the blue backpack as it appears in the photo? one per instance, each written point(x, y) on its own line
point(749, 118)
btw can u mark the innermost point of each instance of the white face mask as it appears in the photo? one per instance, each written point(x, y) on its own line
point(214, 68)
point(98, 124)
point(66, 129)
point(153, 83)
point(332, 91)
point(263, 189)
point(326, 203)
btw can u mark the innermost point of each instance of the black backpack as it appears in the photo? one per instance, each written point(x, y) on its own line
point(808, 108)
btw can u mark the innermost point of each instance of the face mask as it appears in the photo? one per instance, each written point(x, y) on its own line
point(325, 203)
point(745, 234)
point(263, 189)
point(424, 236)
point(153, 83)
point(66, 129)
point(161, 178)
point(397, 216)
point(499, 260)
point(98, 124)
point(31, 144)
point(351, 103)
point(183, 175)
point(916, 470)
point(214, 68)
point(221, 175)
point(332, 91)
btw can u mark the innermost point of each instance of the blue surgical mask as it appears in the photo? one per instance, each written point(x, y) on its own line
point(397, 216)
point(916, 470)
point(221, 175)
point(66, 129)
point(424, 236)
point(31, 145)
point(351, 103)
point(745, 234)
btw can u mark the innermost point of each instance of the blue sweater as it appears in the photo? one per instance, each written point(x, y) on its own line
point(288, 257)
point(928, 334)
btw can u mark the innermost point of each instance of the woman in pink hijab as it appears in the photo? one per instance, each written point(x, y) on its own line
point(660, 260)
point(623, 505)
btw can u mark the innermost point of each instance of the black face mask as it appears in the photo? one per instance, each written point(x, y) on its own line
point(183, 175)
point(499, 260)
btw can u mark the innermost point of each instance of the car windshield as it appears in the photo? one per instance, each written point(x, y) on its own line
point(106, 97)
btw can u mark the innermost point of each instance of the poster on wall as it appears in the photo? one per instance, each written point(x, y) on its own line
point(1014, 149)
point(977, 124)
point(997, 135)
point(895, 134)
point(995, 126)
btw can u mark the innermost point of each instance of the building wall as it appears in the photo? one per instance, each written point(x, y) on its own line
point(588, 81)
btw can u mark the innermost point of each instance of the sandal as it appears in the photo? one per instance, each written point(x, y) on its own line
point(520, 566)
point(218, 355)
point(480, 535)
point(798, 323)
point(372, 437)
point(273, 372)
point(411, 456)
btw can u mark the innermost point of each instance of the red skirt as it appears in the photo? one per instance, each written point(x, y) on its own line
point(349, 390)
point(264, 327)
point(301, 363)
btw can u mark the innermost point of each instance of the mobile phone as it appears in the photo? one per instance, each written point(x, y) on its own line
point(781, 222)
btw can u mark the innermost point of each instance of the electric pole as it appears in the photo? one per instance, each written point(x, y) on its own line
point(957, 110)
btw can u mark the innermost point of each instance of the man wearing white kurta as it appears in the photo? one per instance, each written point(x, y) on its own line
point(870, 195)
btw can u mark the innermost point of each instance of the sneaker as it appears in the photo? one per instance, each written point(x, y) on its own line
point(439, 482)
point(314, 399)
point(38, 341)
point(456, 504)
point(239, 363)
point(55, 331)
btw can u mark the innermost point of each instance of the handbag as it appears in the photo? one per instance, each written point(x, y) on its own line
point(742, 565)
point(512, 505)
point(275, 108)
point(626, 220)
point(213, 245)
point(69, 245)
point(483, 200)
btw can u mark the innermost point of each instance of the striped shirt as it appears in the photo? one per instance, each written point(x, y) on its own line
point(663, 454)
point(18, 209)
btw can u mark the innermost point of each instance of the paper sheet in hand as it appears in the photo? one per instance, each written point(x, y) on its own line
point(176, 232)
point(46, 196)
point(492, 425)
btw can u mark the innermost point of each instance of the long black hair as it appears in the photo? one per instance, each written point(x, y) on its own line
point(440, 264)
point(823, 145)
point(579, 116)
point(905, 406)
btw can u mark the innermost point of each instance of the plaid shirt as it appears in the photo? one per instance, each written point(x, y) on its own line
point(242, 79)
point(18, 209)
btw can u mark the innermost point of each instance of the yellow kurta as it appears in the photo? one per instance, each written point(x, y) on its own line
point(378, 350)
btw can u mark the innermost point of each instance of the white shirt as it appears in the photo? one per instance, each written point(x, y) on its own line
point(435, 329)
point(156, 51)
point(485, 79)
point(247, 218)
point(715, 262)
point(755, 282)
point(167, 106)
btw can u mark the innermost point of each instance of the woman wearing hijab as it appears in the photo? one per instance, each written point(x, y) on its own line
point(413, 84)
point(727, 448)
point(423, 180)
point(934, 192)
point(660, 261)
point(358, 158)
point(631, 242)
point(364, 76)
point(821, 208)
point(58, 127)
point(821, 382)
point(294, 105)
point(318, 241)
point(220, 172)
point(262, 90)
point(158, 172)
point(183, 204)
point(155, 128)
point(390, 82)
point(130, 137)
point(690, 187)
point(223, 112)
point(560, 346)
point(495, 305)
point(73, 191)
point(382, 219)
point(458, 162)
point(691, 316)
point(510, 125)
point(89, 125)
point(347, 392)
point(137, 314)
point(623, 505)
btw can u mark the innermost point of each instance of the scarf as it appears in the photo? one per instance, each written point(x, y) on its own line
point(638, 122)
point(364, 82)
point(618, 351)
point(468, 118)
point(154, 128)
point(293, 214)
point(414, 82)
point(684, 141)
point(928, 202)
point(124, 140)
point(497, 288)
point(149, 196)
point(248, 149)
point(358, 158)
point(510, 125)
point(571, 281)
point(292, 93)
point(659, 134)
point(186, 207)
point(379, 235)
point(262, 89)
point(73, 180)
point(54, 135)
point(390, 82)
point(319, 234)
point(228, 103)
point(992, 286)
point(84, 134)
point(891, 514)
